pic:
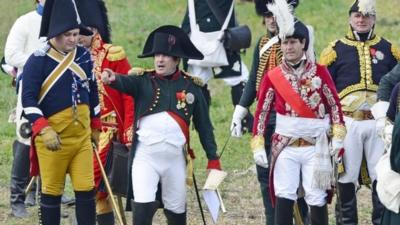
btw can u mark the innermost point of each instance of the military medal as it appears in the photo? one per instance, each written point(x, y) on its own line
point(189, 98)
point(181, 99)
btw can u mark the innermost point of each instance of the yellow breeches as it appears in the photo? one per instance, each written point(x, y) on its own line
point(75, 156)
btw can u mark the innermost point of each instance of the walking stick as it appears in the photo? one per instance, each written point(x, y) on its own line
point(108, 187)
point(29, 187)
point(198, 199)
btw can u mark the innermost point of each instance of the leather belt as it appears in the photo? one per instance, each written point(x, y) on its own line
point(300, 142)
point(360, 115)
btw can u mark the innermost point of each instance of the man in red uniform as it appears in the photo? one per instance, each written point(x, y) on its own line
point(116, 108)
point(307, 107)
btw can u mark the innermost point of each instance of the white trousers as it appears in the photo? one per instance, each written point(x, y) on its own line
point(160, 162)
point(290, 162)
point(361, 138)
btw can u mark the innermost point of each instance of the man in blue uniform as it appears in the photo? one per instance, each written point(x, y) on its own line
point(60, 99)
point(357, 62)
point(166, 100)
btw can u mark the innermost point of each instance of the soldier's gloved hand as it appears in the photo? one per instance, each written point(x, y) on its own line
point(50, 138)
point(387, 135)
point(238, 115)
point(95, 136)
point(337, 145)
point(379, 110)
point(260, 157)
point(380, 126)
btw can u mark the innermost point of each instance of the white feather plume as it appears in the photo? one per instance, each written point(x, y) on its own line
point(366, 7)
point(310, 53)
point(283, 13)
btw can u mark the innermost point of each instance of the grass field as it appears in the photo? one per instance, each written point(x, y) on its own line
point(131, 21)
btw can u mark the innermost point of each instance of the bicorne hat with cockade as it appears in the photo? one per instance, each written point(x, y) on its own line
point(94, 14)
point(366, 7)
point(60, 16)
point(262, 10)
point(172, 41)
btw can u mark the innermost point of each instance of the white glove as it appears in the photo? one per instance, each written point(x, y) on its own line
point(260, 157)
point(238, 115)
point(337, 145)
point(387, 136)
point(380, 126)
point(379, 110)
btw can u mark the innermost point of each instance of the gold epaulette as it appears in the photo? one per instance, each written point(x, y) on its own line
point(115, 52)
point(196, 80)
point(396, 52)
point(139, 71)
point(328, 55)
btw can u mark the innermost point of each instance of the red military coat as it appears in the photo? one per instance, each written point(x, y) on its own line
point(117, 109)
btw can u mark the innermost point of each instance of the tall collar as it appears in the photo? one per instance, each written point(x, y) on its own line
point(97, 42)
point(355, 36)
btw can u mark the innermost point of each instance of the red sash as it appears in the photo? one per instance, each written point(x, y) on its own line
point(284, 88)
point(185, 129)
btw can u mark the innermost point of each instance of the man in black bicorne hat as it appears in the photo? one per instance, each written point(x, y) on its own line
point(357, 63)
point(166, 101)
point(60, 99)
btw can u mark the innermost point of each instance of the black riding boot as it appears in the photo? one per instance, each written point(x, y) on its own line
point(319, 215)
point(236, 94)
point(175, 218)
point(284, 211)
point(50, 210)
point(85, 207)
point(105, 219)
point(377, 207)
point(347, 193)
point(142, 213)
point(19, 179)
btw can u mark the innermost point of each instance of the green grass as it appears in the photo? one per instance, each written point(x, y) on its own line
point(132, 21)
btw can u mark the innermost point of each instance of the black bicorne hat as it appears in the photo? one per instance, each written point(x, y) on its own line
point(60, 16)
point(94, 14)
point(262, 10)
point(172, 41)
point(363, 6)
point(300, 32)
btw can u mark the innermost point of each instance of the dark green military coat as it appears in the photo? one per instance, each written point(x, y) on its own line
point(389, 217)
point(388, 82)
point(209, 23)
point(153, 93)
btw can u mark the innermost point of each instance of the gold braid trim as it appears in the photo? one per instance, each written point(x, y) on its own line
point(396, 52)
point(98, 54)
point(263, 61)
point(257, 142)
point(338, 131)
point(115, 53)
point(328, 55)
point(269, 59)
point(366, 81)
point(196, 80)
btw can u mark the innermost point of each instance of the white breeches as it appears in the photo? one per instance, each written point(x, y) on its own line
point(361, 138)
point(160, 162)
point(287, 169)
